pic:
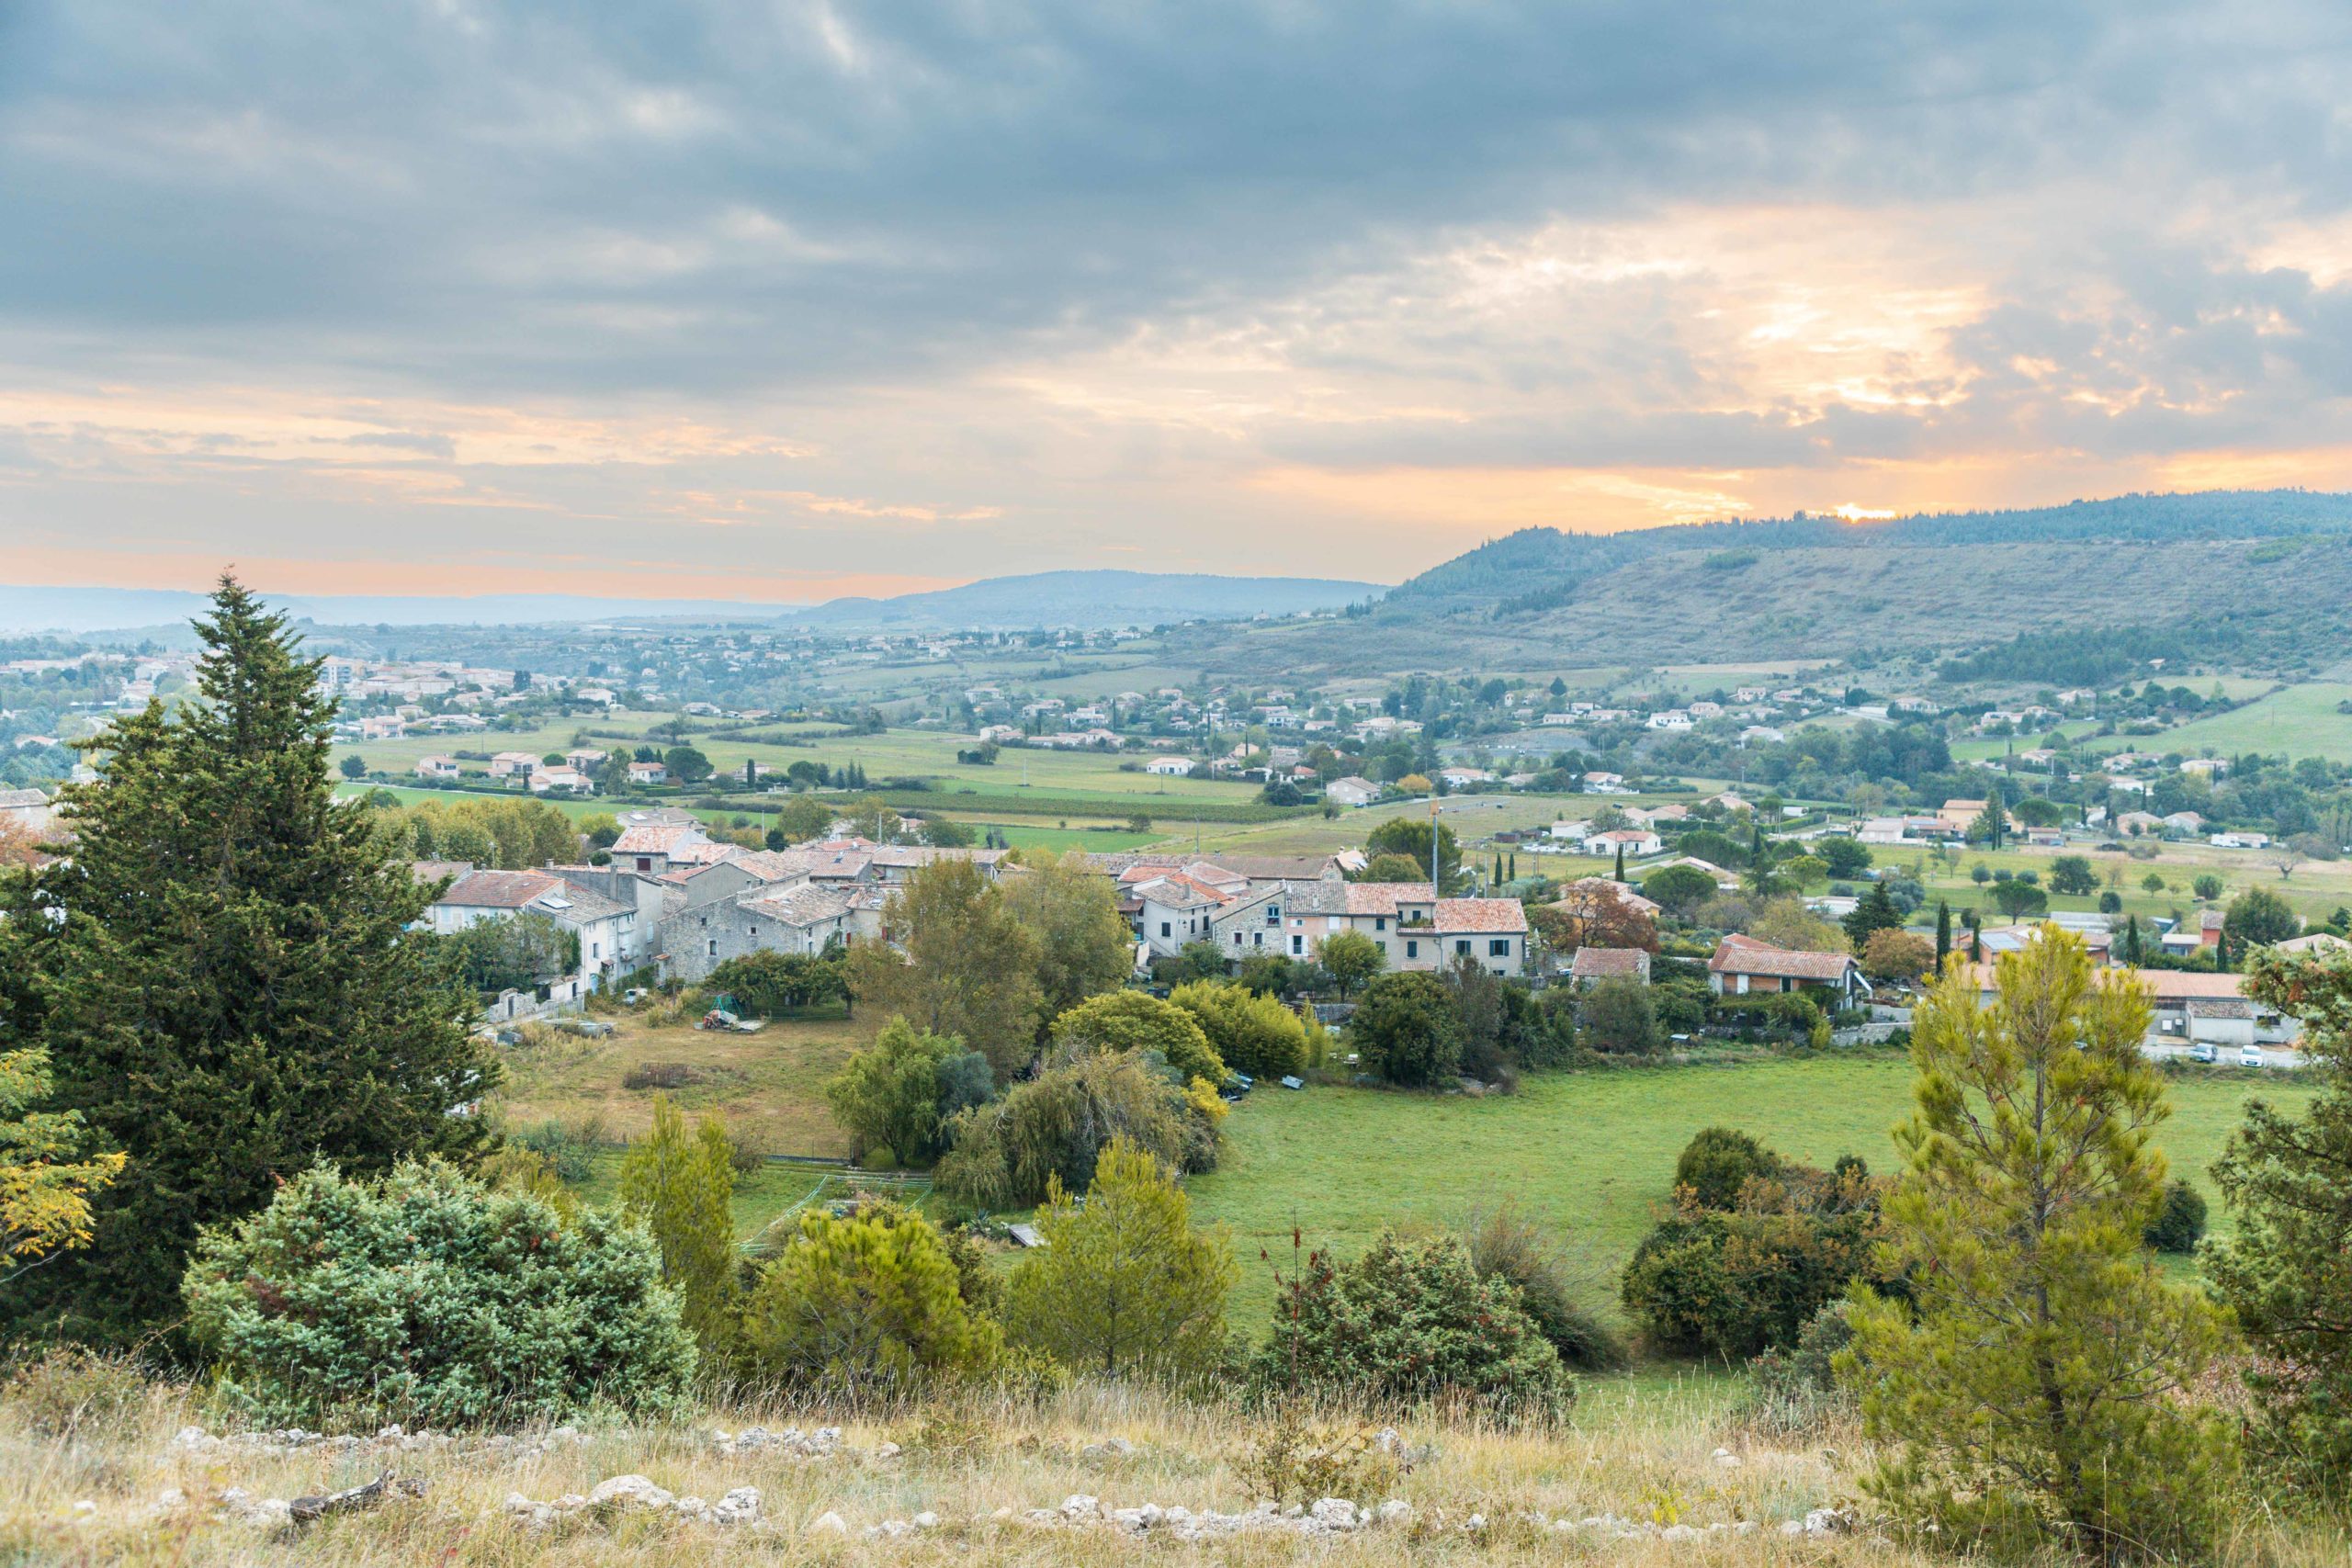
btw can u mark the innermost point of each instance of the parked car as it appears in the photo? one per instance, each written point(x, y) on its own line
point(2203, 1051)
point(2250, 1057)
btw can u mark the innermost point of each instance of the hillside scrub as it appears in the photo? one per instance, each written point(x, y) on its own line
point(426, 1297)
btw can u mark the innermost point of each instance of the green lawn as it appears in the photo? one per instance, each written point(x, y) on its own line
point(1592, 1152)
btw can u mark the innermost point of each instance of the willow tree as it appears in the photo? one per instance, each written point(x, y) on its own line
point(2036, 1392)
point(225, 978)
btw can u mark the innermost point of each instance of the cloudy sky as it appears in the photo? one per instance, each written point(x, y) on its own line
point(795, 298)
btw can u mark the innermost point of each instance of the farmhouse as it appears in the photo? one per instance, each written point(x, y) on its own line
point(603, 925)
point(1636, 841)
point(651, 849)
point(1168, 767)
point(438, 767)
point(1593, 964)
point(506, 764)
point(1743, 965)
point(1352, 791)
point(648, 773)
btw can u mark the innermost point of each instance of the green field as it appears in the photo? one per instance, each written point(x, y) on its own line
point(2298, 721)
point(1594, 1153)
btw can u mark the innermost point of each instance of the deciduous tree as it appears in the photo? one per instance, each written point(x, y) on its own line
point(679, 1184)
point(964, 964)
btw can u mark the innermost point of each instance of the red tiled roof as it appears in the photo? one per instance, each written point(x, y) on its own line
point(501, 889)
point(1498, 916)
point(660, 840)
point(1602, 963)
point(1745, 955)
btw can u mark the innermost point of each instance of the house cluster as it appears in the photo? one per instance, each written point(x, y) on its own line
point(1251, 905)
point(575, 775)
point(1947, 824)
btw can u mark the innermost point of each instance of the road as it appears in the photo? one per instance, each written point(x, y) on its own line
point(2283, 1058)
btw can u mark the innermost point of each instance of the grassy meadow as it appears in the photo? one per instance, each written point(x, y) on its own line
point(1591, 1152)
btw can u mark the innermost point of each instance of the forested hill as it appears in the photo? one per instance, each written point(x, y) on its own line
point(2261, 574)
point(1509, 564)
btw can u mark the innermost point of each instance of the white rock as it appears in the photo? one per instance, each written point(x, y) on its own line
point(634, 1490)
point(1727, 1459)
point(1474, 1523)
point(828, 1524)
point(926, 1520)
point(1395, 1511)
point(740, 1506)
point(887, 1451)
point(1078, 1505)
point(1335, 1512)
point(1678, 1532)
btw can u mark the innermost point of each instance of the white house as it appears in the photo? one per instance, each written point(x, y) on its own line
point(506, 764)
point(562, 781)
point(1636, 841)
point(438, 767)
point(602, 924)
point(1671, 718)
point(1169, 767)
point(1352, 791)
point(2240, 839)
point(648, 773)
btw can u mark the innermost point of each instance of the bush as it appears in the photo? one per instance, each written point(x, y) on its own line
point(1254, 1034)
point(70, 1391)
point(767, 983)
point(900, 1092)
point(661, 1075)
point(1005, 1153)
point(866, 1303)
point(1799, 1387)
point(1407, 1029)
point(1137, 1021)
point(1411, 1322)
point(1735, 1283)
point(1505, 1245)
point(425, 1297)
point(1617, 1018)
point(1773, 1015)
point(1718, 1162)
point(2180, 1223)
point(568, 1147)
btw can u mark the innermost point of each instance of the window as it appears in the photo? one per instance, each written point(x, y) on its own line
point(1462, 944)
point(1298, 945)
point(1499, 948)
point(1380, 922)
point(644, 863)
point(1273, 914)
point(1236, 938)
point(1163, 928)
point(595, 950)
point(714, 947)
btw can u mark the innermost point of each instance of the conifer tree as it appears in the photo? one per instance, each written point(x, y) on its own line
point(679, 1184)
point(2287, 1271)
point(1943, 933)
point(225, 977)
point(2034, 1392)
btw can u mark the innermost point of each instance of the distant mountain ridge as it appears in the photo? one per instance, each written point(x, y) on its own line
point(1077, 598)
point(1050, 599)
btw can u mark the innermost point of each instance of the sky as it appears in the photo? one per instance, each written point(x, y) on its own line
point(792, 298)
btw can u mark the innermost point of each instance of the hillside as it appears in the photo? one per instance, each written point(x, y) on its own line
point(2251, 574)
point(1092, 599)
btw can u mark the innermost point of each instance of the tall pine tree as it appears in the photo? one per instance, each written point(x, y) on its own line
point(225, 977)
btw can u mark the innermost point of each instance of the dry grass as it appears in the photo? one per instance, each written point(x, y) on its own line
point(1636, 1451)
point(768, 1088)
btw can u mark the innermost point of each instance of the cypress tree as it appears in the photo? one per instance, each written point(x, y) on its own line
point(234, 989)
point(1621, 863)
point(1943, 933)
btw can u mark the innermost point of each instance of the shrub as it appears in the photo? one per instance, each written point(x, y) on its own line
point(568, 1147)
point(900, 1091)
point(2180, 1223)
point(1409, 1321)
point(1773, 1015)
point(1617, 1019)
point(766, 983)
point(1735, 1283)
point(1718, 1162)
point(1005, 1153)
point(1137, 1021)
point(1506, 1245)
point(425, 1297)
point(70, 1391)
point(681, 1185)
point(1254, 1034)
point(866, 1303)
point(1798, 1386)
point(1407, 1029)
